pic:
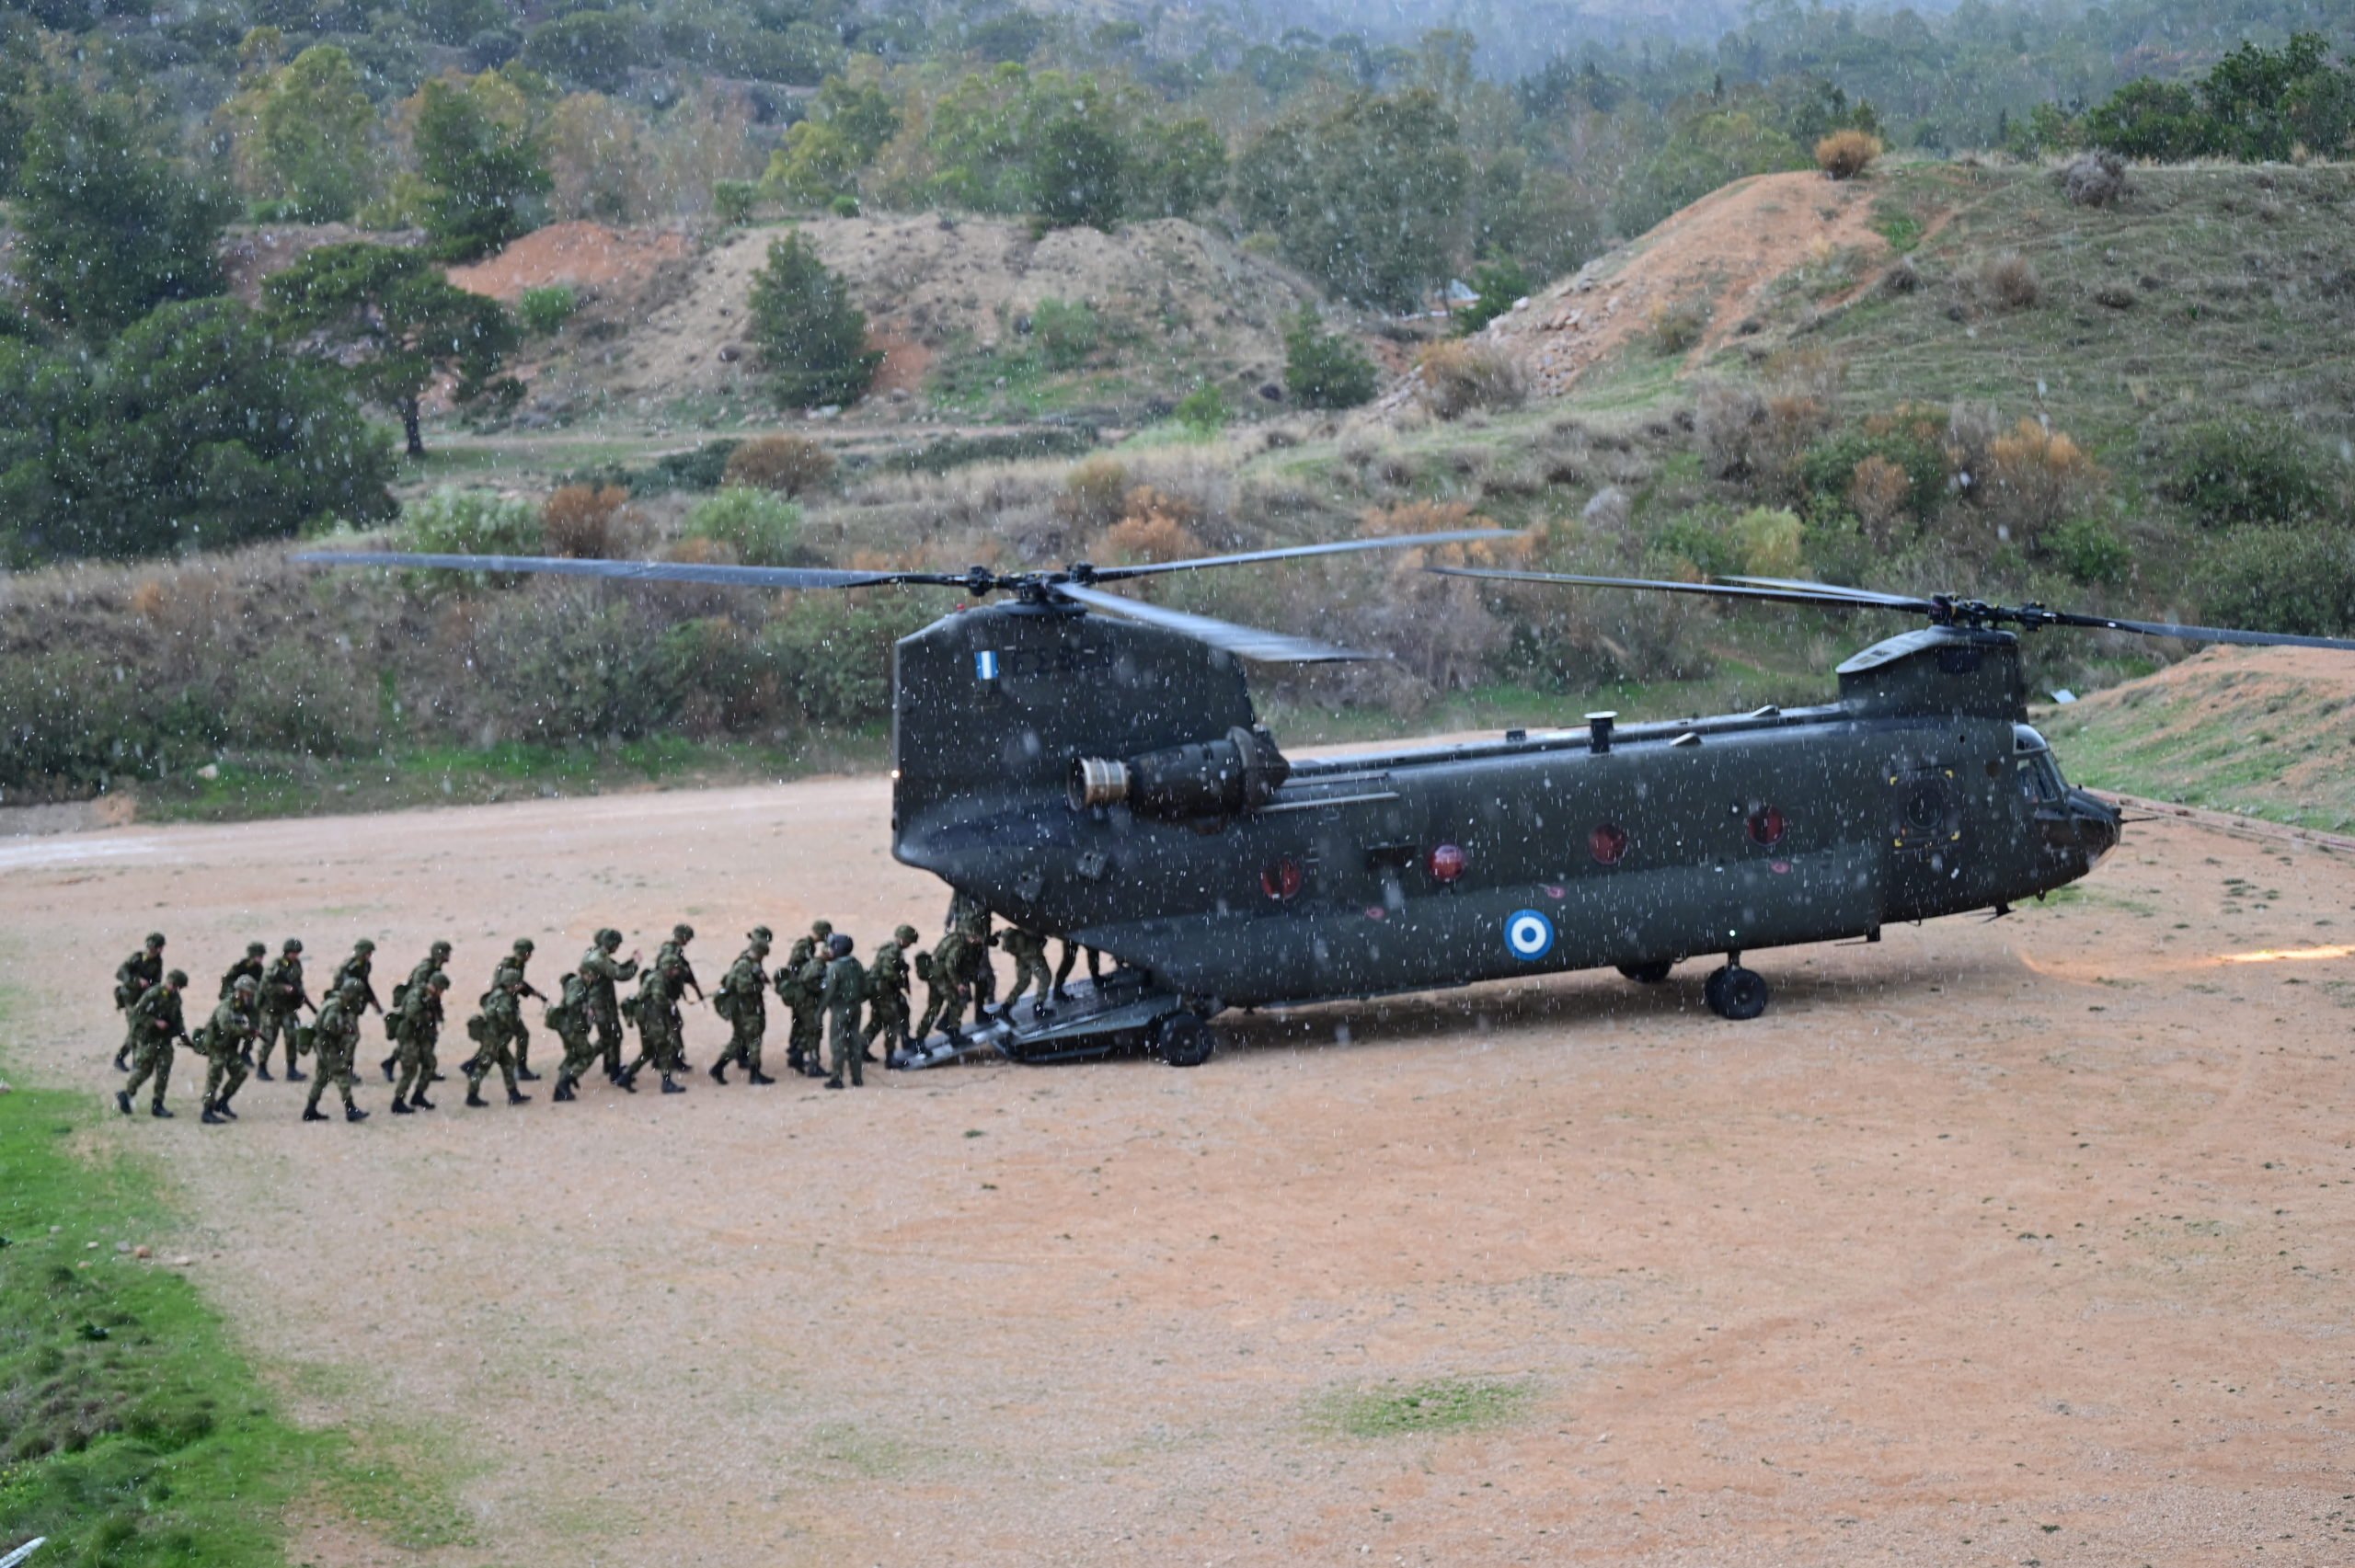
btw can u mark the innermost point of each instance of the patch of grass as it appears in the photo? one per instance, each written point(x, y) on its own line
point(1441, 1404)
point(1901, 228)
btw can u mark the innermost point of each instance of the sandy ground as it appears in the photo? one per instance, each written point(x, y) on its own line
point(2015, 1243)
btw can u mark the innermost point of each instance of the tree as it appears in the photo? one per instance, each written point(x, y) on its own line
point(194, 430)
point(2151, 118)
point(812, 340)
point(314, 126)
point(1079, 172)
point(1325, 369)
point(588, 48)
point(107, 228)
point(396, 325)
point(476, 147)
point(1176, 170)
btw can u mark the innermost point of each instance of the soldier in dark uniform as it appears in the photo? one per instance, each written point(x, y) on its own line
point(283, 999)
point(155, 1024)
point(222, 1042)
point(1071, 957)
point(436, 958)
point(743, 1002)
point(359, 966)
point(674, 955)
point(255, 961)
point(845, 988)
point(603, 972)
point(134, 977)
point(417, 1024)
point(336, 1040)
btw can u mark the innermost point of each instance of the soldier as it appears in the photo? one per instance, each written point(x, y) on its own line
point(602, 972)
point(282, 1001)
point(1064, 968)
point(427, 967)
point(521, 1034)
point(887, 993)
point(224, 1042)
point(501, 1019)
point(134, 978)
point(978, 974)
point(417, 1024)
point(799, 979)
point(357, 967)
point(945, 989)
point(252, 964)
point(845, 988)
point(570, 1018)
point(674, 951)
point(743, 1002)
point(155, 1023)
point(654, 1007)
point(335, 1037)
point(1028, 951)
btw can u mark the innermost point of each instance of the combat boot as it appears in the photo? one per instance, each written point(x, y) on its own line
point(563, 1090)
point(400, 1106)
point(122, 1100)
point(473, 1096)
point(295, 1075)
point(671, 1088)
point(224, 1108)
point(354, 1114)
point(122, 1060)
point(212, 1116)
point(261, 1071)
point(313, 1113)
point(387, 1065)
point(719, 1073)
point(158, 1111)
point(527, 1075)
point(517, 1097)
point(833, 1082)
point(760, 1077)
point(418, 1102)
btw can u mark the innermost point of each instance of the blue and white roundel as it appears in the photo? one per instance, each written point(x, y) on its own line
point(1529, 934)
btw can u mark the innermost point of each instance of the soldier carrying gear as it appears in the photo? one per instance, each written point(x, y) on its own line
point(977, 973)
point(500, 1020)
point(675, 952)
point(600, 973)
point(886, 993)
point(520, 1034)
point(799, 979)
point(250, 967)
point(435, 959)
point(570, 1018)
point(654, 1007)
point(222, 1042)
point(1028, 951)
point(1064, 968)
point(356, 967)
point(418, 1027)
point(845, 990)
point(944, 1002)
point(155, 1024)
point(134, 978)
point(335, 1037)
point(283, 999)
point(743, 1002)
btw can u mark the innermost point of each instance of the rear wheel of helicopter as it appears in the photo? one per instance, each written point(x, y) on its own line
point(1652, 972)
point(1182, 1040)
point(1735, 992)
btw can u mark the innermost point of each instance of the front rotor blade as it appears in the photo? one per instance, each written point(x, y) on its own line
point(1244, 642)
point(1835, 590)
point(2199, 634)
point(627, 571)
point(1293, 552)
point(1656, 584)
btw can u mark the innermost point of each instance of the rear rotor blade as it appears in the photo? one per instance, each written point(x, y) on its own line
point(1294, 551)
point(1244, 642)
point(2197, 634)
point(628, 571)
point(1835, 590)
point(1708, 590)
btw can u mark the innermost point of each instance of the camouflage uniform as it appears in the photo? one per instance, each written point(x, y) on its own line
point(222, 1041)
point(944, 1001)
point(155, 1024)
point(502, 1018)
point(417, 1025)
point(568, 1016)
point(1064, 968)
point(335, 1040)
point(845, 988)
point(404, 992)
point(360, 965)
point(283, 999)
point(655, 1006)
point(673, 956)
point(887, 993)
point(517, 1032)
point(134, 978)
point(799, 981)
point(743, 1002)
point(603, 972)
point(253, 964)
point(1028, 951)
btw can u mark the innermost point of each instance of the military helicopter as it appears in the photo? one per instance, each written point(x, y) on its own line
point(1091, 766)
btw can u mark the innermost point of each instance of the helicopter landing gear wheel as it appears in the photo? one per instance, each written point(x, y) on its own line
point(1182, 1040)
point(1651, 972)
point(1735, 992)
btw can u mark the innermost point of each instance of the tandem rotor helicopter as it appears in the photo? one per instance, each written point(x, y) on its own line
point(1091, 767)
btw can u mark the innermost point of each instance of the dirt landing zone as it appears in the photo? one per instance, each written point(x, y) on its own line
point(1993, 1244)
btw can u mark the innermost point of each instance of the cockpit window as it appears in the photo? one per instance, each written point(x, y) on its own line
point(2039, 780)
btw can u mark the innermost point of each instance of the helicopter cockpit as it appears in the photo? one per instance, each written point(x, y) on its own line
point(2038, 775)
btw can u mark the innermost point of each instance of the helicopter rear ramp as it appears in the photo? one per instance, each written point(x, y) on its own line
point(1098, 1018)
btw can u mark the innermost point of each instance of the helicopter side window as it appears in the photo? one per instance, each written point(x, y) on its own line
point(2039, 780)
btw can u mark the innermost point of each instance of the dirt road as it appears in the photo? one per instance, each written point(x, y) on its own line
point(1994, 1244)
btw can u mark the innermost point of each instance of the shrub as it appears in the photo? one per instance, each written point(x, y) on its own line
point(1325, 369)
point(2236, 471)
point(834, 653)
point(2037, 478)
point(584, 520)
point(1767, 540)
point(471, 522)
point(545, 310)
point(1834, 467)
point(790, 465)
point(1149, 532)
point(2007, 282)
point(1879, 493)
point(2282, 580)
point(844, 205)
point(1677, 328)
point(2090, 551)
point(1844, 154)
point(1203, 411)
point(812, 338)
point(761, 527)
point(2092, 179)
point(1458, 377)
point(1094, 493)
point(734, 200)
point(1067, 333)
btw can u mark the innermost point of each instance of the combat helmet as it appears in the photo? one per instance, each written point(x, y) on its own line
point(609, 939)
point(524, 944)
point(154, 939)
point(246, 985)
point(365, 944)
point(177, 979)
point(821, 929)
point(683, 934)
point(353, 987)
point(840, 945)
point(256, 949)
point(905, 936)
point(761, 933)
point(291, 944)
point(437, 982)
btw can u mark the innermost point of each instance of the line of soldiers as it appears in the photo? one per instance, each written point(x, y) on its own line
point(838, 1009)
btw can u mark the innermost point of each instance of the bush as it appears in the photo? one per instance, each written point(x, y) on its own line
point(1861, 460)
point(2282, 580)
point(585, 521)
point(1458, 377)
point(1844, 154)
point(2240, 471)
point(761, 527)
point(545, 310)
point(470, 522)
point(2090, 551)
point(734, 200)
point(1767, 539)
point(1067, 333)
point(812, 340)
point(1325, 369)
point(1677, 328)
point(2007, 282)
point(844, 205)
point(1094, 493)
point(1203, 411)
point(790, 465)
point(2037, 478)
point(2092, 179)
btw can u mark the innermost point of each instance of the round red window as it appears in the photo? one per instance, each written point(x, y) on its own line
point(1767, 826)
point(1608, 844)
point(1281, 880)
point(1447, 862)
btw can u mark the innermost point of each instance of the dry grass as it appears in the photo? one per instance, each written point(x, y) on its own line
point(2037, 478)
point(586, 523)
point(1458, 377)
point(1094, 493)
point(1844, 154)
point(793, 465)
point(1877, 493)
point(2007, 281)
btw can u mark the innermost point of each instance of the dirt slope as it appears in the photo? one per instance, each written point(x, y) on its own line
point(1992, 1244)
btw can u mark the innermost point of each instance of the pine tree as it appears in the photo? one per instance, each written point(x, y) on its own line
point(812, 340)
